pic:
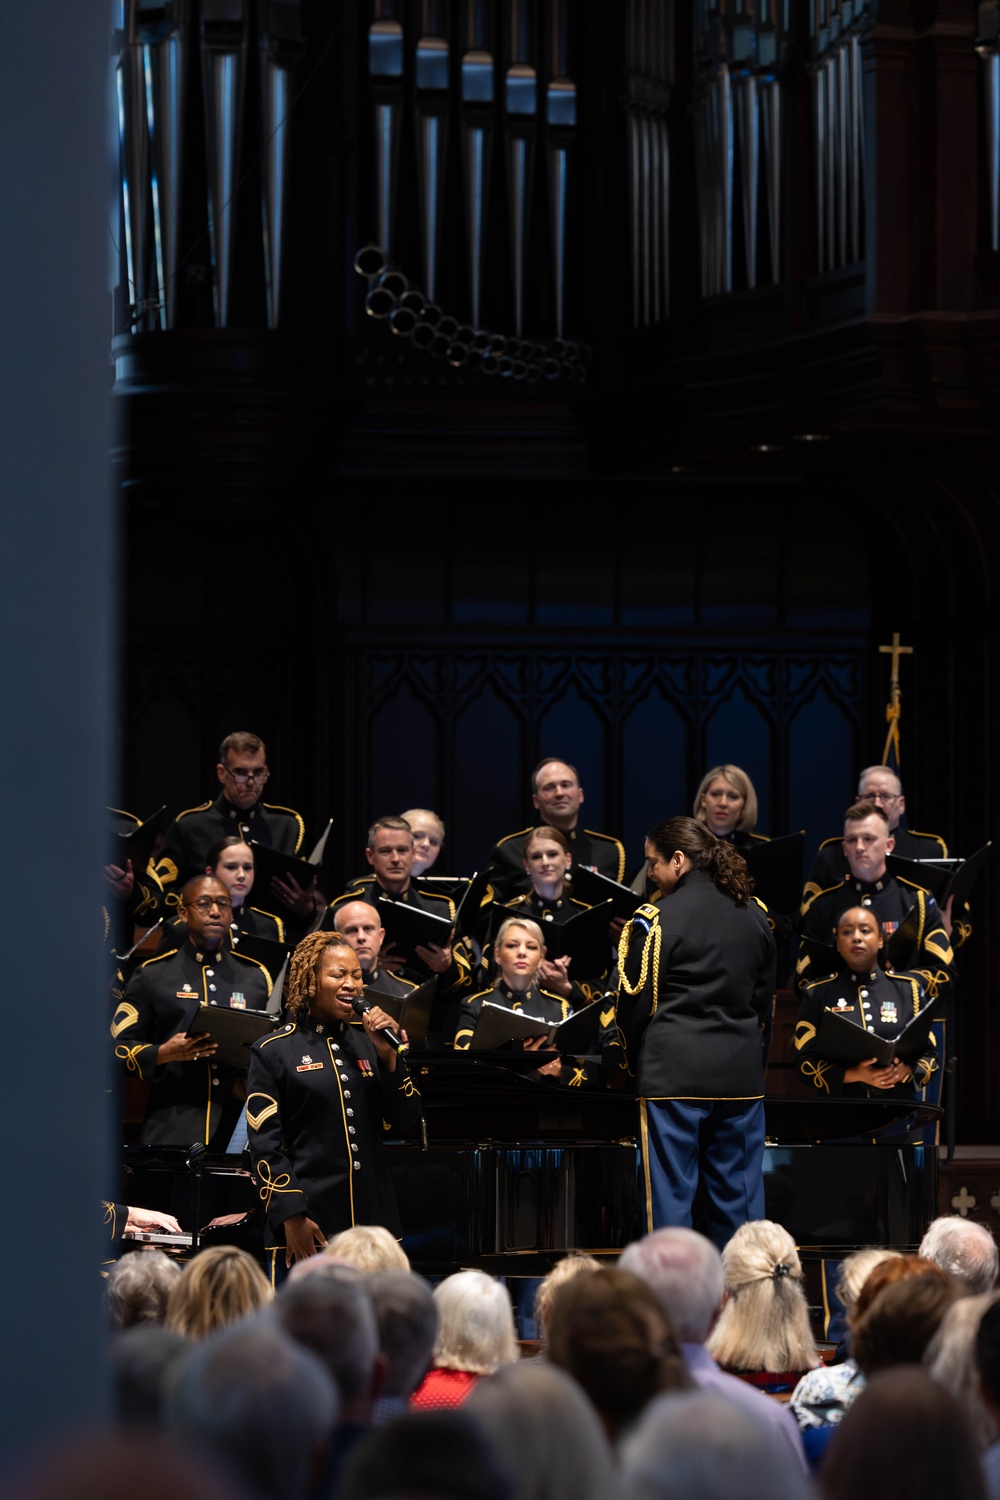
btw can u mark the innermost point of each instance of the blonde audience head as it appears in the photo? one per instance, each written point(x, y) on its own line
point(219, 1287)
point(368, 1247)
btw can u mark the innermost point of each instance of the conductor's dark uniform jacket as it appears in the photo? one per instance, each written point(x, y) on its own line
point(702, 970)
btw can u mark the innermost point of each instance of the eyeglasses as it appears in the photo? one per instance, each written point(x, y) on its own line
point(258, 776)
point(880, 797)
point(205, 903)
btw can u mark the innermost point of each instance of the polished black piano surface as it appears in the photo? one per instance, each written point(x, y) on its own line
point(511, 1170)
point(508, 1171)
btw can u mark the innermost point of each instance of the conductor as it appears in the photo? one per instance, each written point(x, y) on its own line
point(697, 986)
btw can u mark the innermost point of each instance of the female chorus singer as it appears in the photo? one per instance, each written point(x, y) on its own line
point(518, 952)
point(547, 860)
point(881, 1003)
point(318, 1093)
point(231, 861)
point(697, 987)
point(727, 805)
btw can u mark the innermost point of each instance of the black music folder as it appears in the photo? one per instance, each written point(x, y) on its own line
point(590, 886)
point(473, 908)
point(944, 878)
point(776, 868)
point(413, 1010)
point(497, 1026)
point(274, 956)
point(270, 864)
point(844, 1041)
point(136, 843)
point(235, 1031)
point(408, 928)
point(584, 938)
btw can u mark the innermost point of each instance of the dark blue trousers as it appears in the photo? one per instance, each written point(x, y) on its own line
point(720, 1142)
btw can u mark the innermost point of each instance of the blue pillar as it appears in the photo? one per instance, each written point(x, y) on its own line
point(57, 619)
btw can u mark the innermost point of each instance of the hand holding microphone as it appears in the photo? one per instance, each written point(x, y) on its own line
point(379, 1026)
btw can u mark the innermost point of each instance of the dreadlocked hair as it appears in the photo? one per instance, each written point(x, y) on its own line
point(727, 867)
point(302, 969)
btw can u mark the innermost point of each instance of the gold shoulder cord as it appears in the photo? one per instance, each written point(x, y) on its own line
point(653, 938)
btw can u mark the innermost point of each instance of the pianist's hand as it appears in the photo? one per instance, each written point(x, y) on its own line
point(150, 1218)
point(437, 959)
point(184, 1048)
point(303, 1237)
point(872, 1073)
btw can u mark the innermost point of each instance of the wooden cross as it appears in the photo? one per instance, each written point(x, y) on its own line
point(896, 651)
point(893, 708)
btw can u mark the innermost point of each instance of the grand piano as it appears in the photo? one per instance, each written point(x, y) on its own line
point(508, 1171)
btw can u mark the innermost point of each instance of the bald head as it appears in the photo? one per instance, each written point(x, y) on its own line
point(359, 923)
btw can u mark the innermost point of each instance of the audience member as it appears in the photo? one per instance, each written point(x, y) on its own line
point(696, 1445)
point(407, 1319)
point(475, 1337)
point(903, 1439)
point(138, 1287)
point(823, 1395)
point(564, 1270)
point(963, 1248)
point(609, 1330)
point(988, 1367)
point(369, 1247)
point(105, 1466)
point(899, 1324)
point(950, 1359)
point(685, 1271)
point(763, 1331)
point(428, 1455)
point(258, 1403)
point(220, 1286)
point(141, 1360)
point(540, 1415)
point(331, 1314)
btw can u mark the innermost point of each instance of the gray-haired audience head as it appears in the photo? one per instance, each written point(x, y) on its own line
point(138, 1287)
point(426, 1455)
point(540, 1414)
point(331, 1313)
point(407, 1319)
point(699, 1446)
point(253, 1398)
point(963, 1248)
point(684, 1269)
point(950, 1359)
point(141, 1360)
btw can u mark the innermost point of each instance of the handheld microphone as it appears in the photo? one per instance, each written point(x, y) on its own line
point(361, 1007)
